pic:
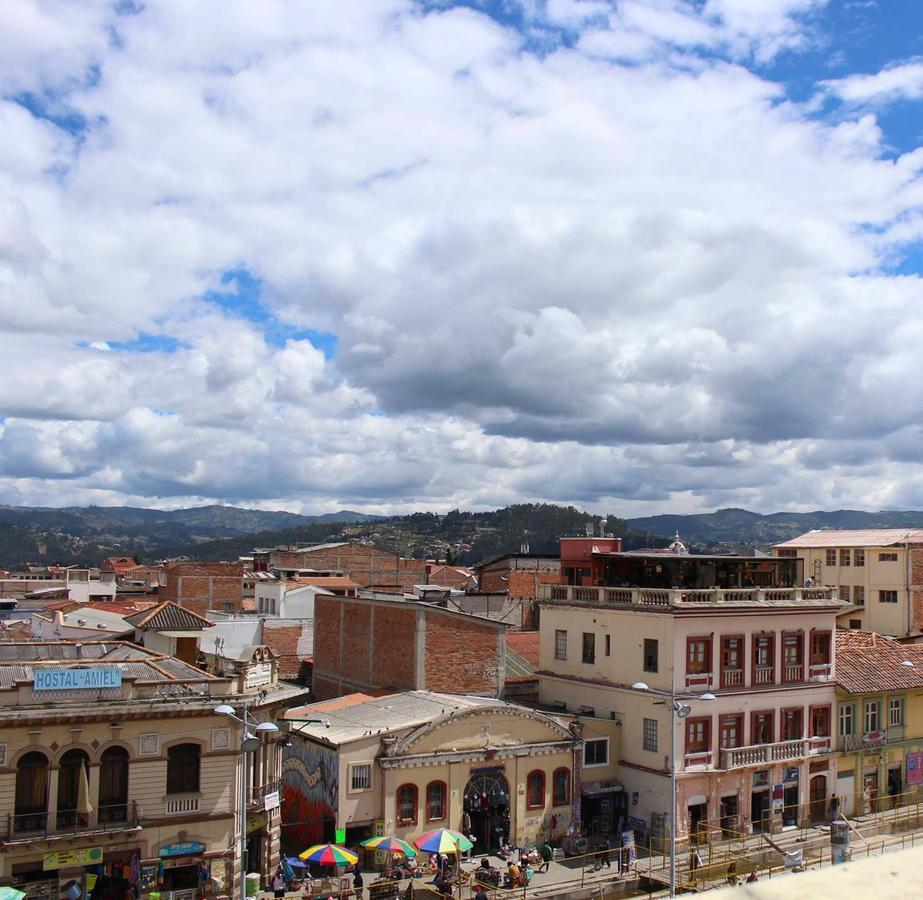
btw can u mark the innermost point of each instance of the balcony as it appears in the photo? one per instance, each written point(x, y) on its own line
point(849, 742)
point(732, 678)
point(173, 806)
point(819, 671)
point(698, 680)
point(792, 672)
point(677, 597)
point(29, 827)
point(766, 754)
point(697, 759)
point(764, 674)
point(271, 790)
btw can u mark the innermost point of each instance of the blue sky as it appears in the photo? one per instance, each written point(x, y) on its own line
point(646, 255)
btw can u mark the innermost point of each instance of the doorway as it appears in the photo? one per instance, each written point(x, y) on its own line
point(759, 810)
point(729, 811)
point(818, 798)
point(790, 805)
point(698, 819)
point(870, 791)
point(487, 802)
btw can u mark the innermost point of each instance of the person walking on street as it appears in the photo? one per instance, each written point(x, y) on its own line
point(547, 855)
point(278, 883)
point(604, 859)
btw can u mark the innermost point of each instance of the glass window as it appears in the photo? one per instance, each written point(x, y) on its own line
point(763, 650)
point(858, 596)
point(895, 712)
point(596, 752)
point(608, 644)
point(650, 735)
point(872, 715)
point(731, 731)
point(589, 647)
point(651, 652)
point(847, 724)
point(887, 596)
point(820, 647)
point(560, 644)
point(844, 557)
point(697, 735)
point(844, 592)
point(731, 653)
point(820, 721)
point(361, 778)
point(887, 557)
point(560, 787)
point(435, 800)
point(407, 804)
point(535, 790)
point(762, 728)
point(113, 785)
point(183, 762)
point(831, 558)
point(859, 557)
point(791, 724)
point(698, 656)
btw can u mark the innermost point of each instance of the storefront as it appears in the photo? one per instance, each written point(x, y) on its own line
point(183, 873)
point(602, 807)
point(87, 873)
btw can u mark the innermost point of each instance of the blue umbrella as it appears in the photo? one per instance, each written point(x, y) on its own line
point(295, 862)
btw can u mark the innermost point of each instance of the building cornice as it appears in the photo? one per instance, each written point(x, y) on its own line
point(484, 754)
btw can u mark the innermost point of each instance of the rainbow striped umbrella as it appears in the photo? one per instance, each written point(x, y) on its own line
point(329, 855)
point(389, 845)
point(442, 840)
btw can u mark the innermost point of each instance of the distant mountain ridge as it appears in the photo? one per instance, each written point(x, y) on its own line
point(86, 535)
point(736, 528)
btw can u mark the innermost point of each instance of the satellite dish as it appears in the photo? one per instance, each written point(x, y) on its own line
point(682, 710)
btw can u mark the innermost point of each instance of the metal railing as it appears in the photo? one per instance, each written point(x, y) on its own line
point(259, 793)
point(66, 823)
point(637, 596)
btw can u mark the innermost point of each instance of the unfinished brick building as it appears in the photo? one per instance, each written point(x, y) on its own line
point(370, 567)
point(520, 574)
point(204, 586)
point(362, 644)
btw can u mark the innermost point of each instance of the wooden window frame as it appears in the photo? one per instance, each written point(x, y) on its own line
point(558, 632)
point(540, 775)
point(742, 656)
point(772, 726)
point(820, 707)
point(782, 713)
point(828, 634)
point(415, 793)
point(773, 646)
point(703, 678)
point(445, 798)
point(722, 721)
point(802, 654)
point(558, 800)
point(698, 720)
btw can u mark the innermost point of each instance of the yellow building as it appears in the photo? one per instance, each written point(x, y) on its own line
point(878, 571)
point(879, 722)
point(405, 763)
point(116, 772)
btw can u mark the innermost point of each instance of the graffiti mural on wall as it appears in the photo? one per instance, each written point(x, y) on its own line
point(309, 795)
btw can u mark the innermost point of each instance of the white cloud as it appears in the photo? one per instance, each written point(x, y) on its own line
point(896, 82)
point(551, 275)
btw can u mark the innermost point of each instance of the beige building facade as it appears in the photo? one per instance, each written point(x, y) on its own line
point(754, 757)
point(405, 763)
point(878, 571)
point(117, 773)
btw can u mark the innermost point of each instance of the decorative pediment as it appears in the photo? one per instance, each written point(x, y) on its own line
point(494, 727)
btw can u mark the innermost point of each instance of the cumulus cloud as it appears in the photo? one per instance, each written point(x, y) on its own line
point(400, 256)
point(896, 82)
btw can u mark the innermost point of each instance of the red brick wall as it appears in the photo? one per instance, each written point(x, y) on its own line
point(916, 585)
point(201, 586)
point(289, 639)
point(461, 656)
point(524, 585)
point(369, 567)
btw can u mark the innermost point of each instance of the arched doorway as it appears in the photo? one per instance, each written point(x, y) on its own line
point(73, 789)
point(30, 812)
point(113, 785)
point(818, 798)
point(487, 805)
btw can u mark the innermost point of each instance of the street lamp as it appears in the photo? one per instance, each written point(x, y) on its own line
point(679, 711)
point(249, 743)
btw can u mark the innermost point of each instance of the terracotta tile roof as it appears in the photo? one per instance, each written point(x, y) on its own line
point(871, 537)
point(867, 663)
point(525, 644)
point(169, 616)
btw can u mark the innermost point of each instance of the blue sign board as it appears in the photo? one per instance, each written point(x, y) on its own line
point(77, 679)
point(183, 848)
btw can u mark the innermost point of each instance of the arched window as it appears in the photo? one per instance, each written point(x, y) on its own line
point(435, 800)
point(113, 785)
point(407, 804)
point(560, 787)
point(73, 788)
point(30, 810)
point(183, 769)
point(535, 790)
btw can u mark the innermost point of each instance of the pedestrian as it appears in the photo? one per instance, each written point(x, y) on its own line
point(358, 885)
point(752, 877)
point(834, 807)
point(547, 856)
point(732, 877)
point(278, 883)
point(481, 894)
point(809, 582)
point(604, 858)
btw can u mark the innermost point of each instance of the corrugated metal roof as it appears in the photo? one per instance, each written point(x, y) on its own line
point(525, 644)
point(392, 712)
point(871, 537)
point(517, 668)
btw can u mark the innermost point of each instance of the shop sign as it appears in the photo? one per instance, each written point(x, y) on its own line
point(64, 859)
point(77, 679)
point(271, 801)
point(258, 674)
point(180, 862)
point(791, 773)
point(182, 848)
point(254, 823)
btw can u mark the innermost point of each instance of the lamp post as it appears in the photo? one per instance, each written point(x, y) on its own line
point(677, 711)
point(248, 744)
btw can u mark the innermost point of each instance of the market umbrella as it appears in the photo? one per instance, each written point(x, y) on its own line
point(10, 893)
point(442, 840)
point(295, 862)
point(329, 855)
point(84, 806)
point(390, 845)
